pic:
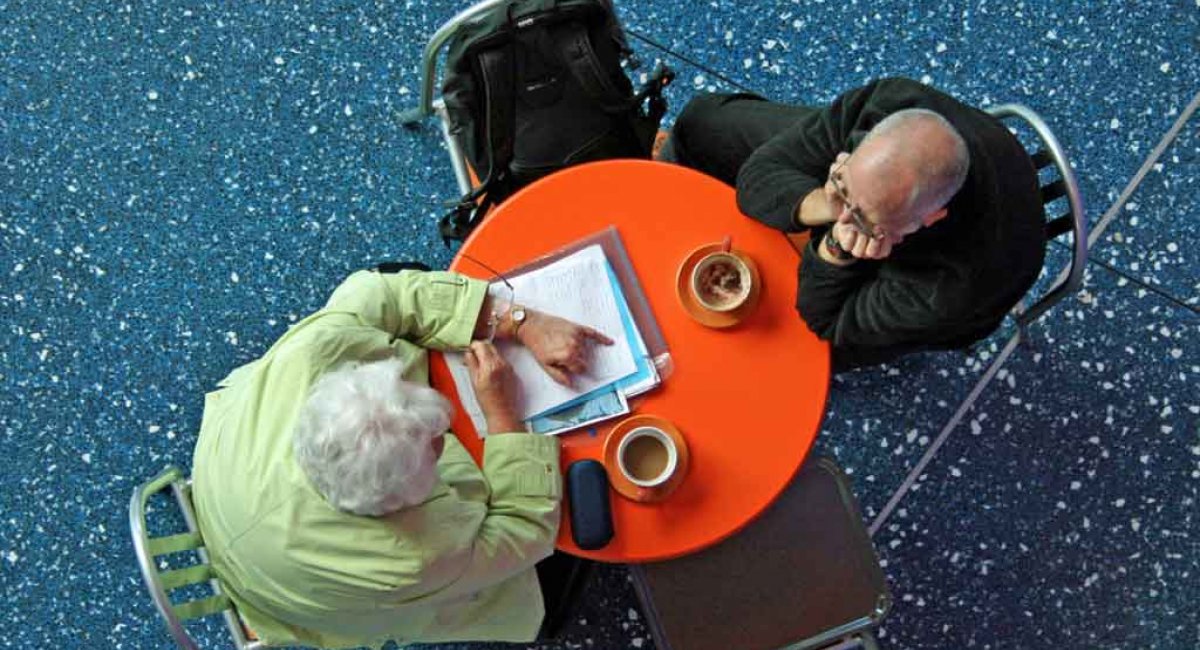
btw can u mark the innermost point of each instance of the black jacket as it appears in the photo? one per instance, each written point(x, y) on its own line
point(944, 286)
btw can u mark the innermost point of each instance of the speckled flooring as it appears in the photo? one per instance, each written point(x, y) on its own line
point(180, 180)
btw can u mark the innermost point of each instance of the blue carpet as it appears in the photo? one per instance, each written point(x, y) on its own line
point(179, 181)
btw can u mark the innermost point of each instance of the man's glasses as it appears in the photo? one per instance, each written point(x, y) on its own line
point(839, 187)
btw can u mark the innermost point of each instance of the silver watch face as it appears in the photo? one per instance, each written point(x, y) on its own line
point(518, 314)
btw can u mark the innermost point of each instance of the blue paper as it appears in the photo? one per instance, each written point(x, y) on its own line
point(600, 407)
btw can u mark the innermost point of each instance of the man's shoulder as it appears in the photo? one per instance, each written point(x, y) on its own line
point(866, 106)
point(976, 262)
point(904, 84)
point(892, 94)
point(902, 92)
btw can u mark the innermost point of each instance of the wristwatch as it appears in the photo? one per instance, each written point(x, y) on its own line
point(517, 315)
point(835, 248)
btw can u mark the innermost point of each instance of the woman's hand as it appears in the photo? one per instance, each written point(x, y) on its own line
point(562, 348)
point(495, 387)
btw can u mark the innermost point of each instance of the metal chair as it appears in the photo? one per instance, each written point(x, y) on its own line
point(1073, 221)
point(427, 105)
point(803, 575)
point(159, 583)
point(1068, 281)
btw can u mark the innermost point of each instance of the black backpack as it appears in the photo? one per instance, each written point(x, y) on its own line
point(535, 86)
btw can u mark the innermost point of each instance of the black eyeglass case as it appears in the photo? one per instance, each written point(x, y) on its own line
point(588, 499)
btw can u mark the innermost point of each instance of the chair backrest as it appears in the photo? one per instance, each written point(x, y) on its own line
point(1073, 220)
point(802, 575)
point(160, 583)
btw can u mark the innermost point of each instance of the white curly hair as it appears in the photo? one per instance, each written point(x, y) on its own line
point(364, 437)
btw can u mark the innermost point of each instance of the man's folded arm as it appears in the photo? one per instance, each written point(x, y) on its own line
point(776, 178)
point(851, 306)
point(434, 309)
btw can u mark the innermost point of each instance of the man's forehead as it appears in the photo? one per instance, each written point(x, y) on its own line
point(878, 189)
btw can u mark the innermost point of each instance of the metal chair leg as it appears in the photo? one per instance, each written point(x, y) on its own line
point(454, 148)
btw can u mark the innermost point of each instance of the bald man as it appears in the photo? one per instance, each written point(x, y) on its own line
point(926, 222)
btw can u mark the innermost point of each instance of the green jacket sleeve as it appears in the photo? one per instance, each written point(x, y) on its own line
point(522, 517)
point(433, 309)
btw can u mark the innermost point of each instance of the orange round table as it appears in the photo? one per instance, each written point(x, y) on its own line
point(748, 400)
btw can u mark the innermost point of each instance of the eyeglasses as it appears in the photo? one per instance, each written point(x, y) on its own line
point(495, 289)
point(860, 221)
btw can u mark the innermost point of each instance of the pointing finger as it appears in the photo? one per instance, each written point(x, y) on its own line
point(596, 335)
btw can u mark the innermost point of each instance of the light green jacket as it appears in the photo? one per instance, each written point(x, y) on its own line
point(457, 567)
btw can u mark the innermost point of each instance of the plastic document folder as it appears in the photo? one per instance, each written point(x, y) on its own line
point(590, 282)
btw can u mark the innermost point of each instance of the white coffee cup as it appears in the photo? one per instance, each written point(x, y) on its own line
point(647, 456)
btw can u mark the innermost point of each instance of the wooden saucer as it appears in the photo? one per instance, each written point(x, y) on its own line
point(624, 486)
point(702, 314)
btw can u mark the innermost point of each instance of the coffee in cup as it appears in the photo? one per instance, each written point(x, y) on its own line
point(721, 281)
point(647, 456)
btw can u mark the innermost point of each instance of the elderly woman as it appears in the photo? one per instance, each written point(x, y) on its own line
point(336, 511)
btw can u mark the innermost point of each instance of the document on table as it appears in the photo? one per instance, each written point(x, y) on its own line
point(577, 288)
point(643, 379)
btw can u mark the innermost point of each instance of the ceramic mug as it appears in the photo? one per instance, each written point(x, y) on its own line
point(721, 281)
point(647, 456)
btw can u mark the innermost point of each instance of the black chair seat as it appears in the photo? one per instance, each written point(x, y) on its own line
point(803, 573)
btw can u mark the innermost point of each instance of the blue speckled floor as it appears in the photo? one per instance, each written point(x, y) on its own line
point(179, 181)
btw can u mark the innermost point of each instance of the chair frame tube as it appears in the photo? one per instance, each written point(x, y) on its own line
point(181, 488)
point(427, 105)
point(141, 547)
point(430, 58)
point(1069, 281)
point(457, 158)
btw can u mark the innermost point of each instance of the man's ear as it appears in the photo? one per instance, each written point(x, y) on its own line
point(933, 217)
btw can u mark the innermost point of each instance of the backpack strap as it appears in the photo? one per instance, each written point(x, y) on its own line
point(499, 108)
point(575, 49)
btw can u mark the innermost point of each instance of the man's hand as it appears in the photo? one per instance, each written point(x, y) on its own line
point(822, 206)
point(858, 244)
point(562, 347)
point(818, 208)
point(495, 387)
